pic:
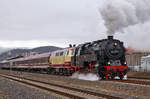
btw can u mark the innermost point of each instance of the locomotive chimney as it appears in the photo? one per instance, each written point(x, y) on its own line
point(74, 45)
point(110, 37)
point(70, 45)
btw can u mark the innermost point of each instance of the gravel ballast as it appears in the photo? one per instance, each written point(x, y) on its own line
point(3, 96)
point(19, 91)
point(125, 90)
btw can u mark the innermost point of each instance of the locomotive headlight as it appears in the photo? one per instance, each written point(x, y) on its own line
point(125, 62)
point(108, 63)
point(115, 44)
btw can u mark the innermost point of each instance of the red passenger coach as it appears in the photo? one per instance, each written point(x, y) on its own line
point(33, 62)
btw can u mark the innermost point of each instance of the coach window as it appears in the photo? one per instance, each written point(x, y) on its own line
point(43, 60)
point(35, 61)
point(16, 63)
point(68, 52)
point(13, 63)
point(28, 61)
point(22, 62)
point(61, 53)
point(53, 54)
point(65, 53)
point(46, 59)
point(38, 61)
point(57, 54)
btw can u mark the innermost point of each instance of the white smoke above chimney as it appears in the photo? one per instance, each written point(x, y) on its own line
point(120, 14)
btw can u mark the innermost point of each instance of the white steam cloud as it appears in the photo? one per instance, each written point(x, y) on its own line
point(89, 76)
point(120, 14)
point(137, 36)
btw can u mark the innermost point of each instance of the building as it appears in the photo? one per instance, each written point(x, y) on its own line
point(133, 59)
point(145, 63)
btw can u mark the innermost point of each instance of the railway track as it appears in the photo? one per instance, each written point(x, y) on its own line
point(140, 78)
point(67, 91)
point(133, 81)
point(122, 89)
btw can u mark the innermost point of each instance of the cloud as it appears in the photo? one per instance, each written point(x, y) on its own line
point(48, 19)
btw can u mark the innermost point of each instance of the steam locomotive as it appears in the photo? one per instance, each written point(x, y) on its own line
point(104, 57)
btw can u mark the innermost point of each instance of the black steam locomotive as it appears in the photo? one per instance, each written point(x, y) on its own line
point(105, 57)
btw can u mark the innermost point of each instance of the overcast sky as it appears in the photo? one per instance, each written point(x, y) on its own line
point(32, 23)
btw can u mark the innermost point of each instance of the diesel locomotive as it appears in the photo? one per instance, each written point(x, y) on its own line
point(104, 57)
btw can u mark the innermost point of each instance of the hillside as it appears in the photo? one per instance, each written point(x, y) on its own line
point(4, 49)
point(20, 51)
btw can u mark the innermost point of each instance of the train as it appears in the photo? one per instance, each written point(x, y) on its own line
point(104, 57)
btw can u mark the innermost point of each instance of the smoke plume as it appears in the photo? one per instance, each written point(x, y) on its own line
point(120, 14)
